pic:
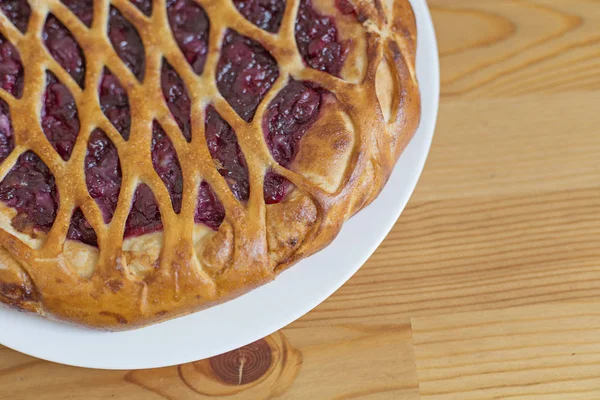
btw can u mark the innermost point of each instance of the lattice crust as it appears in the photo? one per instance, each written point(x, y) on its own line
point(368, 114)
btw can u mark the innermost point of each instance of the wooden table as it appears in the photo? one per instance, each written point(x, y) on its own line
point(489, 285)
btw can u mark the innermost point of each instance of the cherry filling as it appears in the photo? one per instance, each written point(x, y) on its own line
point(166, 165)
point(145, 6)
point(30, 189)
point(266, 14)
point(63, 47)
point(209, 209)
point(81, 230)
point(245, 73)
point(144, 216)
point(115, 103)
point(190, 26)
point(11, 68)
point(177, 98)
point(225, 151)
point(103, 178)
point(84, 9)
point(7, 137)
point(17, 11)
point(317, 39)
point(346, 7)
point(60, 121)
point(103, 173)
point(127, 43)
point(291, 113)
point(275, 187)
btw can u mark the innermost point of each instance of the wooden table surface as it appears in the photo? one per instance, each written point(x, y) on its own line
point(488, 287)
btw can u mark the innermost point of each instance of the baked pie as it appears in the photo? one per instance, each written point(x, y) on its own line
point(158, 157)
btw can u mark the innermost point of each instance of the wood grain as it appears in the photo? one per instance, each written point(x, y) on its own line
point(525, 352)
point(488, 287)
point(304, 363)
point(501, 48)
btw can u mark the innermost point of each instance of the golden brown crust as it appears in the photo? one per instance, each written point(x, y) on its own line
point(139, 281)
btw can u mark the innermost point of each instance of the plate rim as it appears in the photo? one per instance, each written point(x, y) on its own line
point(428, 51)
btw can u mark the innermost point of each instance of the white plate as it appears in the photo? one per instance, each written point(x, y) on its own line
point(266, 309)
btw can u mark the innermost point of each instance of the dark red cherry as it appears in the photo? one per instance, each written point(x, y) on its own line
point(225, 151)
point(17, 11)
point(144, 216)
point(245, 73)
point(209, 209)
point(166, 165)
point(84, 9)
point(190, 26)
point(11, 68)
point(115, 103)
point(29, 188)
point(266, 14)
point(81, 230)
point(103, 173)
point(64, 48)
point(7, 136)
point(289, 116)
point(317, 39)
point(60, 120)
point(127, 43)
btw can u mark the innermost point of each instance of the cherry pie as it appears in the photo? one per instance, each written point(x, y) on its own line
point(161, 156)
